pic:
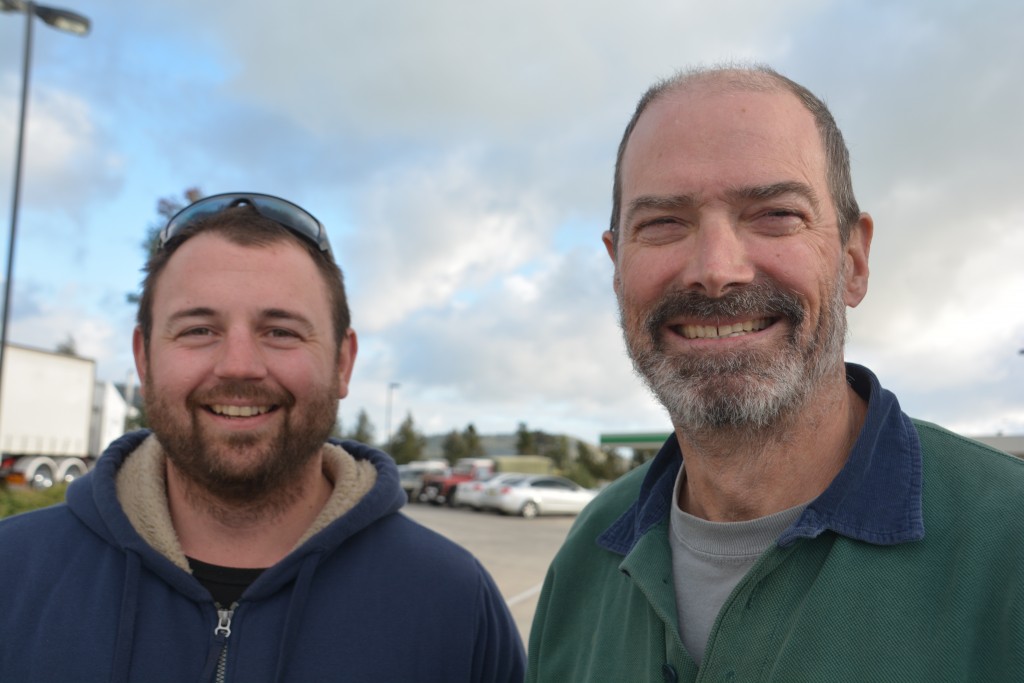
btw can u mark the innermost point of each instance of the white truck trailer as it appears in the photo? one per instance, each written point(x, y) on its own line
point(46, 413)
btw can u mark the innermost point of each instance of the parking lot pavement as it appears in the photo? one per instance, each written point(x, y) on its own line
point(515, 551)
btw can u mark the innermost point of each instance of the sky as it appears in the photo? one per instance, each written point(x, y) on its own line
point(460, 155)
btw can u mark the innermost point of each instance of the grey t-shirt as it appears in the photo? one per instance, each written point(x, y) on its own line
point(709, 559)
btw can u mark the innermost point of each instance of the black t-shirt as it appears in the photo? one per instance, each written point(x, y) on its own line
point(226, 584)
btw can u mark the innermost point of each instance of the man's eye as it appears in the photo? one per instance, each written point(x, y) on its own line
point(661, 229)
point(282, 333)
point(779, 221)
point(197, 332)
point(664, 220)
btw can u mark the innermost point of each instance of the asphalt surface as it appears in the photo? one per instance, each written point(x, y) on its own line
point(515, 551)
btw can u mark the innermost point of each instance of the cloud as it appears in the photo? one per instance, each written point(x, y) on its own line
point(461, 156)
point(430, 234)
point(66, 163)
point(445, 67)
point(541, 347)
point(43, 318)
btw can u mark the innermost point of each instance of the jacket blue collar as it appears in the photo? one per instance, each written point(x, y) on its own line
point(875, 498)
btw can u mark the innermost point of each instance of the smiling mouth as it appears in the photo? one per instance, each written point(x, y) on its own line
point(239, 411)
point(722, 331)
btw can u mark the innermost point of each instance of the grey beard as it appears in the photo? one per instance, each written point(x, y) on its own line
point(745, 389)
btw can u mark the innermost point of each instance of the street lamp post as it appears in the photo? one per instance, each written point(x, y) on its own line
point(63, 20)
point(387, 414)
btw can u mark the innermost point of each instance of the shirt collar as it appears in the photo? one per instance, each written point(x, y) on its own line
point(875, 498)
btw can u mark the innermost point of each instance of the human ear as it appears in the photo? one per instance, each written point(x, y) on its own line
point(855, 255)
point(346, 360)
point(139, 351)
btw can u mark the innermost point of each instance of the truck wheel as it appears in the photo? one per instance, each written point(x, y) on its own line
point(529, 510)
point(41, 477)
point(433, 494)
point(71, 470)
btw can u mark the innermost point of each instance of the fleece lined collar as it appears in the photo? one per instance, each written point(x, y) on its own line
point(875, 498)
point(142, 490)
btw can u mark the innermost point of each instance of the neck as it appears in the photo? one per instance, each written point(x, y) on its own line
point(740, 474)
point(253, 534)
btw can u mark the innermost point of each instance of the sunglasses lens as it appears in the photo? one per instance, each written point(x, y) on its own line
point(281, 211)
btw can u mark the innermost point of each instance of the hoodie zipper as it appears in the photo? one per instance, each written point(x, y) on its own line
point(223, 630)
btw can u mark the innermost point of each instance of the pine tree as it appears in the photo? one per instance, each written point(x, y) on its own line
point(166, 207)
point(454, 447)
point(474, 447)
point(526, 441)
point(363, 433)
point(408, 443)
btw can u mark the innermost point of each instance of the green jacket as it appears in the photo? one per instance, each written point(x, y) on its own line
point(839, 598)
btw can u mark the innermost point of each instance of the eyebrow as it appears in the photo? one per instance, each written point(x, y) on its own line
point(677, 202)
point(266, 314)
point(673, 202)
point(761, 192)
point(282, 314)
point(197, 312)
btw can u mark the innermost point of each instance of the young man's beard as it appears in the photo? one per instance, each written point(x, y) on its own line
point(743, 389)
point(244, 469)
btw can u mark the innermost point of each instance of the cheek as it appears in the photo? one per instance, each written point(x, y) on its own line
point(640, 280)
point(173, 373)
point(302, 373)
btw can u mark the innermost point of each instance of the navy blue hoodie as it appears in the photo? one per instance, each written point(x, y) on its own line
point(372, 597)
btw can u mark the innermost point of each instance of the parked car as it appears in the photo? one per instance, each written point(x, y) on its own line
point(534, 495)
point(471, 493)
point(439, 489)
point(411, 475)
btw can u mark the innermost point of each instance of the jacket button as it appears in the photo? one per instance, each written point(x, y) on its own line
point(669, 673)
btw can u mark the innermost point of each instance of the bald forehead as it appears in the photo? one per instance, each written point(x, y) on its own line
point(705, 139)
point(720, 112)
point(724, 80)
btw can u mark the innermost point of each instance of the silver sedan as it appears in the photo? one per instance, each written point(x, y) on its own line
point(538, 494)
point(471, 493)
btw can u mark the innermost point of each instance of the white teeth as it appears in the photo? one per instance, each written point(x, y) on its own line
point(240, 411)
point(721, 331)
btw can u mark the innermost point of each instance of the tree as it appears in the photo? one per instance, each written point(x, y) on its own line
point(558, 450)
point(454, 447)
point(68, 347)
point(364, 431)
point(474, 447)
point(602, 464)
point(642, 455)
point(137, 418)
point(408, 443)
point(166, 207)
point(526, 441)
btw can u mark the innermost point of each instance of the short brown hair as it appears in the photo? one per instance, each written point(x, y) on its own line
point(245, 226)
point(757, 77)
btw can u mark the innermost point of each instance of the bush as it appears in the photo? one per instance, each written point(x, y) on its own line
point(16, 500)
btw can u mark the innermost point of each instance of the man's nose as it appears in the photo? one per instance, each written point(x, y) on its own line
point(718, 260)
point(240, 357)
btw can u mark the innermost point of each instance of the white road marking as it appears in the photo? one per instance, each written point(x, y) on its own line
point(524, 596)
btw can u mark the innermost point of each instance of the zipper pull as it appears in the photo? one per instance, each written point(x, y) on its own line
point(223, 622)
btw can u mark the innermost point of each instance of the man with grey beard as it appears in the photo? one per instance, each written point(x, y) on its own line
point(797, 526)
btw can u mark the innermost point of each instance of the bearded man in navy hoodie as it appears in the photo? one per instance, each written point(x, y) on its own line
point(235, 541)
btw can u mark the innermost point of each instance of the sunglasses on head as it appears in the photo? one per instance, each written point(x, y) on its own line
point(281, 211)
